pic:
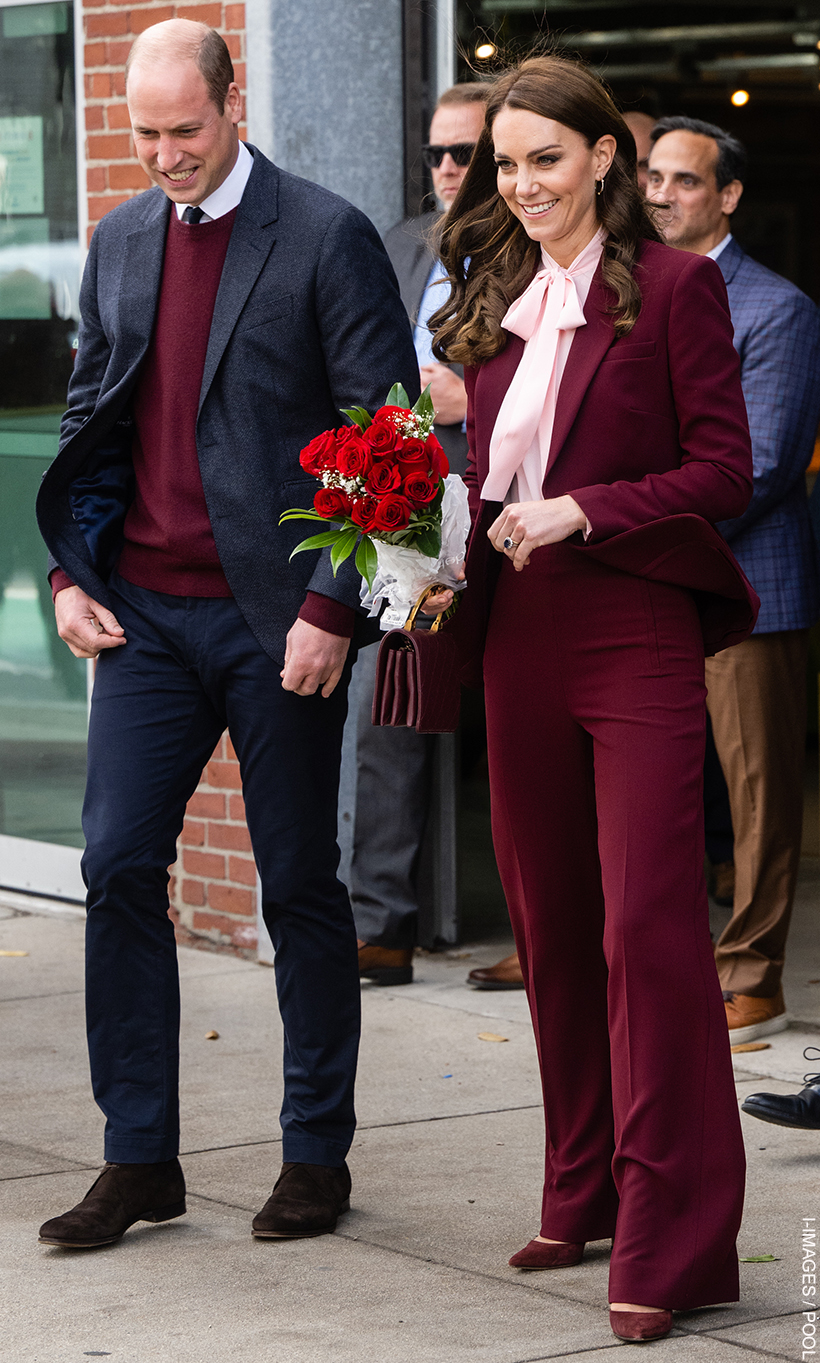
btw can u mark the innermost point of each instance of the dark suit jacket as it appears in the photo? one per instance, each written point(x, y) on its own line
point(777, 335)
point(649, 428)
point(408, 246)
point(307, 320)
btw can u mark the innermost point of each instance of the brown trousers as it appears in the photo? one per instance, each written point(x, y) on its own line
point(757, 704)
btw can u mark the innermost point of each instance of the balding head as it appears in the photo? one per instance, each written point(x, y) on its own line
point(177, 41)
point(185, 108)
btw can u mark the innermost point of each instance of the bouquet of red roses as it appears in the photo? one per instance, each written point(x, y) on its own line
point(383, 479)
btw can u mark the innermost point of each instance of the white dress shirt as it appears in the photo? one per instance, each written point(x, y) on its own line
point(721, 246)
point(227, 196)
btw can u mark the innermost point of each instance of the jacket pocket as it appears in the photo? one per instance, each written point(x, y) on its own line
point(631, 350)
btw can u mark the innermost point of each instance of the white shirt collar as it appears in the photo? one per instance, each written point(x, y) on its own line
point(227, 196)
point(721, 246)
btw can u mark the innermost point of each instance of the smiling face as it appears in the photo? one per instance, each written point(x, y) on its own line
point(547, 176)
point(184, 142)
point(451, 124)
point(682, 175)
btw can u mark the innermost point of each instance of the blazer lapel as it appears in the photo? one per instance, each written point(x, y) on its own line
point(494, 378)
point(141, 276)
point(589, 345)
point(250, 245)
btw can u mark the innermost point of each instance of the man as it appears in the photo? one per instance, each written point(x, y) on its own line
point(394, 766)
point(227, 315)
point(757, 691)
point(640, 125)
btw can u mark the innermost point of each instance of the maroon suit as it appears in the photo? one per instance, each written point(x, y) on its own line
point(595, 713)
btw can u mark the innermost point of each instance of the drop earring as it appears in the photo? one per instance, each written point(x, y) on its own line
point(599, 185)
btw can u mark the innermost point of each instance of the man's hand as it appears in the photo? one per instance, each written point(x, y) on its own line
point(447, 391)
point(313, 658)
point(530, 524)
point(85, 625)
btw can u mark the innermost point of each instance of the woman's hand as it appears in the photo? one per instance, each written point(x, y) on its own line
point(531, 524)
point(442, 601)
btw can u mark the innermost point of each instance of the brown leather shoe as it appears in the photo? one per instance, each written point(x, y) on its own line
point(505, 974)
point(307, 1200)
point(639, 1326)
point(385, 966)
point(722, 884)
point(123, 1194)
point(538, 1255)
point(749, 1018)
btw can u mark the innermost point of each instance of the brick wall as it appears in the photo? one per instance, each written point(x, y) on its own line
point(113, 173)
point(213, 884)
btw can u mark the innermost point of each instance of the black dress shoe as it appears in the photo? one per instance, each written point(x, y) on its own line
point(123, 1194)
point(789, 1109)
point(307, 1199)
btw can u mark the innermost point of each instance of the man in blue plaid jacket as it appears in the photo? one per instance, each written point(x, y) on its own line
point(757, 690)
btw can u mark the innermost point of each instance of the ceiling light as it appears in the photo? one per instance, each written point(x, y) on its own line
point(484, 51)
point(739, 98)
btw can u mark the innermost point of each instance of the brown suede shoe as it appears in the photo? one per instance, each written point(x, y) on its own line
point(505, 974)
point(385, 966)
point(306, 1200)
point(123, 1194)
point(749, 1018)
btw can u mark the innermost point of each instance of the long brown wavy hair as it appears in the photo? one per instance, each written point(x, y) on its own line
point(480, 231)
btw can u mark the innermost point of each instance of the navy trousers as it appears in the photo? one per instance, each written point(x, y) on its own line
point(190, 668)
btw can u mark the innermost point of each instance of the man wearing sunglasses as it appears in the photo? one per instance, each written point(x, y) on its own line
point(394, 765)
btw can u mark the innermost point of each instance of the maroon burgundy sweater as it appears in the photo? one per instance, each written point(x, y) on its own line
point(169, 543)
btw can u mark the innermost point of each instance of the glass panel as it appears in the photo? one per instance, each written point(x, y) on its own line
point(42, 687)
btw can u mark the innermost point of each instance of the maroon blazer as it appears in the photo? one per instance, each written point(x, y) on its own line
point(650, 439)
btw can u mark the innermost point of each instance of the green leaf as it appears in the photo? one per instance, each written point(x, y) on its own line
point(424, 407)
point(760, 1259)
point(397, 397)
point(367, 560)
point(317, 541)
point(358, 416)
point(343, 548)
point(297, 513)
point(429, 543)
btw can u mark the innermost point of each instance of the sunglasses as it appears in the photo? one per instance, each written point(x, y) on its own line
point(433, 156)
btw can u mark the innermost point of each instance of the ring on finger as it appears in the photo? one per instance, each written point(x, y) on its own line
point(510, 543)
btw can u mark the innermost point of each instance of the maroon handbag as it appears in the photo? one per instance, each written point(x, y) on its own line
point(417, 677)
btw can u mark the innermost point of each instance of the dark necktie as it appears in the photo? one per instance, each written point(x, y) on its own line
point(193, 215)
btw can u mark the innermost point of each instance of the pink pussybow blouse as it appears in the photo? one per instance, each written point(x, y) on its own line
point(546, 317)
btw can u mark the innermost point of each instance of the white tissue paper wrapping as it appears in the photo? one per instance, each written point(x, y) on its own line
point(403, 574)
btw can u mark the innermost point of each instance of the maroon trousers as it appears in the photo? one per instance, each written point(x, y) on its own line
point(595, 716)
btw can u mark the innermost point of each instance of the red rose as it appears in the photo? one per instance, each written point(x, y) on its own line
point(392, 513)
point(419, 489)
point(382, 437)
point(320, 454)
point(345, 433)
point(439, 464)
point(413, 451)
point(353, 458)
point(392, 414)
point(384, 477)
point(332, 503)
point(363, 511)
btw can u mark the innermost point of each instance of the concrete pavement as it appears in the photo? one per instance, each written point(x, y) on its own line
point(446, 1171)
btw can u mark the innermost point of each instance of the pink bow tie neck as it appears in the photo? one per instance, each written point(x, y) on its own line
point(546, 316)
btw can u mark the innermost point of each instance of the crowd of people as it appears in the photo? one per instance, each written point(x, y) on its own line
point(615, 378)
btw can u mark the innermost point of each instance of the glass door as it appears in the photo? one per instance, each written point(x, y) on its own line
point(43, 688)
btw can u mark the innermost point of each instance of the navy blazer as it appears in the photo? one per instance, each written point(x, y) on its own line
point(777, 335)
point(308, 320)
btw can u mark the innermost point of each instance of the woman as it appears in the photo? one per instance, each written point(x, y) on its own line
point(607, 427)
